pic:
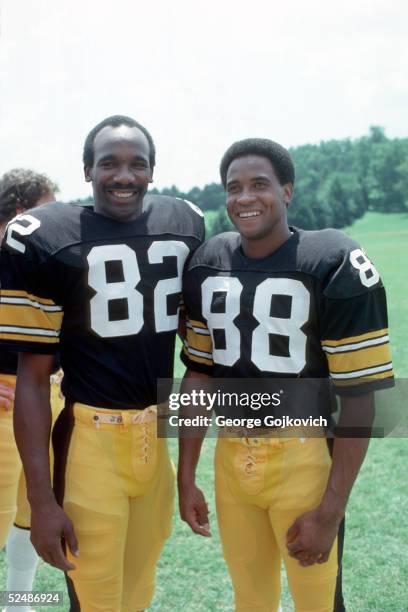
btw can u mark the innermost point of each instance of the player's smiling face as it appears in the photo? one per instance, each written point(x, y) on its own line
point(257, 203)
point(121, 172)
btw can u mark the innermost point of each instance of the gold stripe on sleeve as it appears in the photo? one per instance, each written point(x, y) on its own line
point(29, 316)
point(359, 359)
point(28, 338)
point(351, 382)
point(200, 342)
point(196, 358)
point(353, 339)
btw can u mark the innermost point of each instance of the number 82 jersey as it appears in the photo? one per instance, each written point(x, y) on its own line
point(106, 294)
point(315, 308)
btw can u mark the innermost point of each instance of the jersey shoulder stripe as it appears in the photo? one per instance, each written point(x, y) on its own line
point(27, 318)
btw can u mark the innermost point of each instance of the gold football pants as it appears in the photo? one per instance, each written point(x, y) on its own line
point(119, 491)
point(262, 486)
point(10, 466)
point(14, 505)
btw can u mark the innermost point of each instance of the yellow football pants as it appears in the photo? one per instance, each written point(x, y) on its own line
point(14, 505)
point(119, 491)
point(10, 467)
point(262, 486)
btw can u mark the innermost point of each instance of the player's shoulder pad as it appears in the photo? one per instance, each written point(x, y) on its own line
point(170, 215)
point(340, 263)
point(43, 229)
point(218, 252)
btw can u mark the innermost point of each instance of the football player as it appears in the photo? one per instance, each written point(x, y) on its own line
point(272, 301)
point(20, 190)
point(102, 286)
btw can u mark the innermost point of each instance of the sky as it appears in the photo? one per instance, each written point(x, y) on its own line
point(199, 75)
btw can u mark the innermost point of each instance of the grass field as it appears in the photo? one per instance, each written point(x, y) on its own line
point(192, 576)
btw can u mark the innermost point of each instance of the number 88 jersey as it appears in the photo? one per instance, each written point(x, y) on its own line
point(315, 308)
point(106, 294)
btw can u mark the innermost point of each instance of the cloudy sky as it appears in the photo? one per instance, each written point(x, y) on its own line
point(198, 74)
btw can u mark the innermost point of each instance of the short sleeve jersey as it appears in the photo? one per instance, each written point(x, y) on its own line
point(315, 308)
point(8, 362)
point(103, 293)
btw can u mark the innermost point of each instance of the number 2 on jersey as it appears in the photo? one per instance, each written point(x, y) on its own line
point(107, 292)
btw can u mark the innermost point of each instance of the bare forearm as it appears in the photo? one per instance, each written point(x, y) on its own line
point(32, 425)
point(189, 454)
point(348, 454)
point(189, 446)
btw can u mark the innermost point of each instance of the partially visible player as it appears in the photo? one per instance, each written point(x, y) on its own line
point(20, 190)
point(265, 302)
point(102, 286)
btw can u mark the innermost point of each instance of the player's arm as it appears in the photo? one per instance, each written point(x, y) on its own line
point(32, 425)
point(311, 536)
point(193, 507)
point(197, 357)
point(354, 338)
point(31, 314)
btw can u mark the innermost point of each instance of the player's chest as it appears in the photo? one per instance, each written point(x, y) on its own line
point(270, 321)
point(254, 299)
point(115, 289)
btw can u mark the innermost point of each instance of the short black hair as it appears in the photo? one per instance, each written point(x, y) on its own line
point(278, 156)
point(116, 121)
point(22, 188)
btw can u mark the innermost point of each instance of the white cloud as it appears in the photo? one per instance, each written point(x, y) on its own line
point(198, 75)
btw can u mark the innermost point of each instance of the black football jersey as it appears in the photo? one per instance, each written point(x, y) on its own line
point(8, 361)
point(103, 293)
point(315, 308)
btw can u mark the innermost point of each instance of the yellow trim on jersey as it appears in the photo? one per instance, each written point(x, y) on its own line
point(364, 379)
point(373, 372)
point(25, 317)
point(197, 356)
point(28, 338)
point(30, 296)
point(29, 316)
point(354, 339)
point(199, 341)
point(200, 324)
point(363, 358)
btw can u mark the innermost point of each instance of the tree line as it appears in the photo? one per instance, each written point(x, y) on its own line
point(337, 181)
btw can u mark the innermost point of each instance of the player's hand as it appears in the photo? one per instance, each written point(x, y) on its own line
point(49, 525)
point(6, 396)
point(311, 537)
point(194, 509)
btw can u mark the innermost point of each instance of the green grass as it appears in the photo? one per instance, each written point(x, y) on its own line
point(192, 575)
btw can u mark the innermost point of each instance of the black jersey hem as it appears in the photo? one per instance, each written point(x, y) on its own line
point(30, 347)
point(366, 387)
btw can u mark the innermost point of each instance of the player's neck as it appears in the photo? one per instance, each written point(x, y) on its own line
point(262, 247)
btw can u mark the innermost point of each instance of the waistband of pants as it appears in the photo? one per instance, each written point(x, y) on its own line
point(268, 436)
point(94, 416)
